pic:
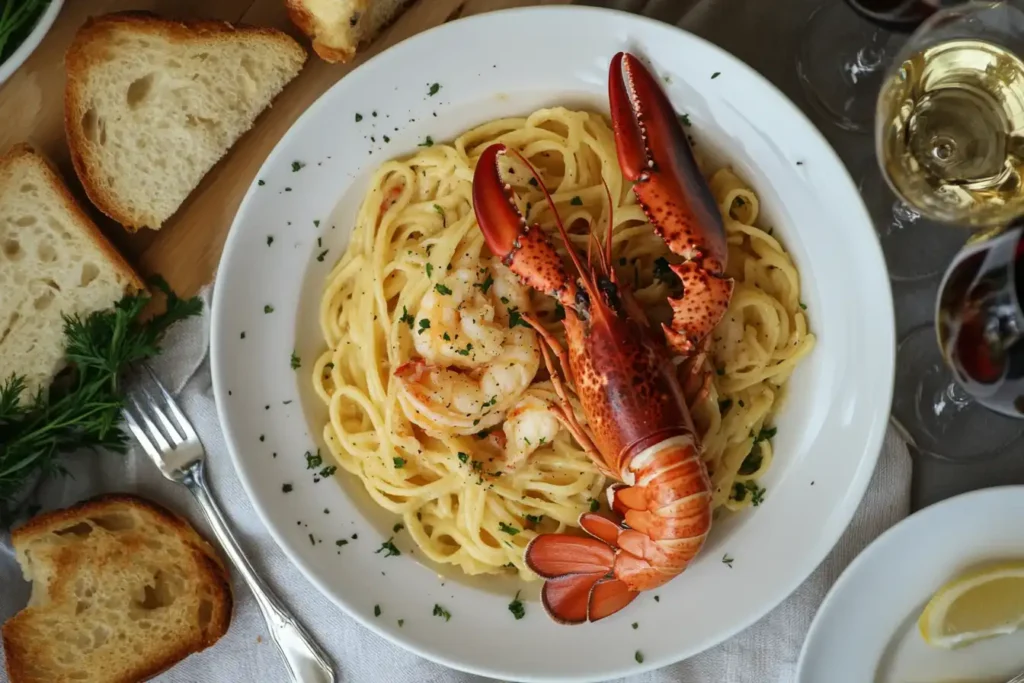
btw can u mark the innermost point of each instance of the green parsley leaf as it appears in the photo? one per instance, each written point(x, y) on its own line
point(270, 240)
point(486, 284)
point(685, 119)
point(465, 351)
point(635, 626)
point(751, 463)
point(515, 318)
point(397, 527)
point(429, 267)
point(406, 318)
point(463, 457)
point(399, 462)
point(341, 542)
point(727, 561)
point(287, 488)
point(576, 201)
point(424, 325)
point(433, 89)
point(320, 256)
point(716, 74)
point(359, 117)
point(268, 309)
point(639, 657)
point(535, 519)
point(516, 607)
point(314, 460)
point(803, 305)
point(388, 548)
point(260, 183)
point(297, 165)
point(400, 622)
point(510, 530)
point(427, 142)
point(376, 610)
point(296, 362)
point(442, 289)
point(595, 505)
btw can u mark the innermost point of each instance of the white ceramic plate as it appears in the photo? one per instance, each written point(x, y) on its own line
point(829, 434)
point(31, 42)
point(866, 629)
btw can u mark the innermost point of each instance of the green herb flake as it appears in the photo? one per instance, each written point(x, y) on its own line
point(635, 626)
point(534, 519)
point(424, 325)
point(639, 657)
point(320, 256)
point(516, 607)
point(401, 622)
point(388, 548)
point(260, 183)
point(427, 142)
point(268, 309)
point(595, 505)
point(434, 87)
point(727, 561)
point(376, 610)
point(576, 201)
point(685, 119)
point(406, 318)
point(297, 166)
point(316, 224)
point(510, 530)
point(296, 362)
point(716, 74)
point(429, 267)
point(515, 318)
point(287, 488)
point(399, 462)
point(442, 612)
point(341, 542)
point(359, 117)
point(657, 598)
point(803, 305)
point(397, 527)
point(270, 240)
point(442, 289)
point(486, 284)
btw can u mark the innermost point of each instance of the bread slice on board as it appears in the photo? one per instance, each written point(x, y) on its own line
point(53, 261)
point(122, 590)
point(340, 27)
point(151, 105)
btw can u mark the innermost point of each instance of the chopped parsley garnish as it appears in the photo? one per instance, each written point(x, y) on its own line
point(535, 519)
point(397, 527)
point(429, 267)
point(341, 542)
point(442, 289)
point(424, 325)
point(516, 607)
point(406, 318)
point(268, 309)
point(388, 548)
point(359, 117)
point(376, 610)
point(316, 224)
point(270, 240)
point(440, 212)
point(740, 490)
point(727, 561)
point(635, 626)
point(657, 598)
point(756, 493)
point(510, 530)
point(326, 472)
point(482, 434)
point(803, 305)
point(447, 337)
point(716, 74)
point(486, 284)
point(463, 457)
point(442, 612)
point(684, 119)
point(433, 89)
point(320, 256)
point(297, 165)
point(400, 622)
point(477, 464)
point(515, 318)
point(260, 183)
point(386, 138)
point(288, 189)
point(296, 362)
point(399, 462)
point(465, 351)
point(314, 460)
point(639, 657)
point(287, 488)
point(595, 505)
point(312, 541)
point(427, 142)
point(576, 201)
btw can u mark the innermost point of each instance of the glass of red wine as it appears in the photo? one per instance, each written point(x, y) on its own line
point(844, 54)
point(965, 399)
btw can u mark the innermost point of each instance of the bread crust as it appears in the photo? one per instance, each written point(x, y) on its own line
point(206, 560)
point(87, 51)
point(306, 22)
point(24, 151)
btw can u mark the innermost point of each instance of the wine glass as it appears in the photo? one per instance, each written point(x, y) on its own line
point(843, 54)
point(949, 113)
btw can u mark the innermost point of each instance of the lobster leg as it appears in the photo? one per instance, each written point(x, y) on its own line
point(655, 155)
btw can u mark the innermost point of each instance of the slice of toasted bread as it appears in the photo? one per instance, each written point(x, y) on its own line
point(339, 28)
point(151, 105)
point(122, 589)
point(53, 261)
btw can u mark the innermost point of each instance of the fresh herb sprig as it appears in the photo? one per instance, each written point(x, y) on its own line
point(17, 19)
point(82, 406)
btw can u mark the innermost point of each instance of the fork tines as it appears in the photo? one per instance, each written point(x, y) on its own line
point(159, 425)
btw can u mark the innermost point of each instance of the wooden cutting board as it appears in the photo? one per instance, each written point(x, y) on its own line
point(186, 250)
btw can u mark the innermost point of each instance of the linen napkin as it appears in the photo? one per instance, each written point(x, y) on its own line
point(766, 652)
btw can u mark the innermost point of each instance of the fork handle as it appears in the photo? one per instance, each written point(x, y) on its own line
point(307, 662)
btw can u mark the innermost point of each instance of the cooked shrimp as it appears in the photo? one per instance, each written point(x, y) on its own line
point(528, 426)
point(476, 356)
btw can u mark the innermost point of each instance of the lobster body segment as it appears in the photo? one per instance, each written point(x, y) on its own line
point(640, 431)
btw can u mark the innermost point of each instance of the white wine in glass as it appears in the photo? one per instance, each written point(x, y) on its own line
point(950, 120)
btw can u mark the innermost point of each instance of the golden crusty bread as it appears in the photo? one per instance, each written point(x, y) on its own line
point(53, 261)
point(340, 27)
point(151, 105)
point(122, 589)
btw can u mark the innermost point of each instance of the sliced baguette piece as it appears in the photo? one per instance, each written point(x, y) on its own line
point(53, 261)
point(151, 105)
point(122, 589)
point(339, 28)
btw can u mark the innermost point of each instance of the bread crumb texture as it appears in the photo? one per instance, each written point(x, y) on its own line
point(151, 105)
point(53, 261)
point(122, 589)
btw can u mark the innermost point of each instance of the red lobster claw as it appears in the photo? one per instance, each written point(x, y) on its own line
point(654, 154)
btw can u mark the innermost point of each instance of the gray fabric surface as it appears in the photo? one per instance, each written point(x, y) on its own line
point(760, 33)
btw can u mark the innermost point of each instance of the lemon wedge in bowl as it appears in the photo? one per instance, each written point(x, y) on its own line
point(980, 604)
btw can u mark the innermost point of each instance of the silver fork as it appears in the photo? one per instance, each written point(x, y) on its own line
point(1019, 678)
point(168, 438)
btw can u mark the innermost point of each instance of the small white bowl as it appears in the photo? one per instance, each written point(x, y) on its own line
point(42, 27)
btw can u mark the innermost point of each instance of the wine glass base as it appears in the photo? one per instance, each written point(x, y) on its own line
point(935, 415)
point(915, 248)
point(841, 82)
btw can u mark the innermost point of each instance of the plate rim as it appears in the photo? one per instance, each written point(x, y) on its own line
point(873, 441)
point(872, 549)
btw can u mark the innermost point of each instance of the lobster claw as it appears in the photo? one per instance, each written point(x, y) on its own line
point(525, 249)
point(654, 154)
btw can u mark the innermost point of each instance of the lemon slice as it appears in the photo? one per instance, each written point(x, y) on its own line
point(980, 604)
